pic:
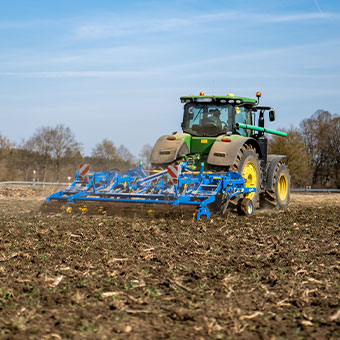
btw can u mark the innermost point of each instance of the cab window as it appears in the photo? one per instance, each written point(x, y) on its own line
point(206, 119)
point(242, 115)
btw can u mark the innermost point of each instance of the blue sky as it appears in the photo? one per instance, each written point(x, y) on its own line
point(116, 69)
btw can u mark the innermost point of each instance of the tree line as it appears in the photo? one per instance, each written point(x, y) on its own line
point(312, 150)
point(53, 154)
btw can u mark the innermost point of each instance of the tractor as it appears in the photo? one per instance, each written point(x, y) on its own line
point(219, 160)
point(219, 131)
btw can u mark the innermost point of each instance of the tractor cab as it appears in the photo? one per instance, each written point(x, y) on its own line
point(212, 116)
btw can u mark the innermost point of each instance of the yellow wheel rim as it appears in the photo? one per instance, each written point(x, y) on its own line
point(283, 187)
point(250, 175)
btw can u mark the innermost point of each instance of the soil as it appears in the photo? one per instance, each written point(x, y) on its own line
point(273, 275)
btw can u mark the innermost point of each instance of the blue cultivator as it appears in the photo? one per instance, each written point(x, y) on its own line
point(174, 187)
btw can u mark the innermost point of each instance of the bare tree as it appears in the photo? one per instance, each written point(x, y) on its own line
point(5, 152)
point(125, 154)
point(5, 143)
point(105, 150)
point(22, 164)
point(62, 139)
point(52, 144)
point(320, 136)
point(334, 141)
point(297, 159)
point(145, 155)
point(40, 143)
point(104, 156)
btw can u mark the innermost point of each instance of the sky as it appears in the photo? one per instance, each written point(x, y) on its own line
point(116, 69)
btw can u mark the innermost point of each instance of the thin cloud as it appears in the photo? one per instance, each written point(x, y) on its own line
point(119, 27)
point(30, 24)
point(81, 59)
point(298, 17)
point(79, 74)
point(250, 56)
point(262, 75)
point(317, 5)
point(189, 69)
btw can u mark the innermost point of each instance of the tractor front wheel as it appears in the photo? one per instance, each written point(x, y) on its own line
point(280, 195)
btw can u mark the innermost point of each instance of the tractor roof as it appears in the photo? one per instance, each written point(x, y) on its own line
point(231, 99)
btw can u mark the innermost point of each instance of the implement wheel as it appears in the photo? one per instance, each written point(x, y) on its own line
point(280, 195)
point(248, 165)
point(245, 207)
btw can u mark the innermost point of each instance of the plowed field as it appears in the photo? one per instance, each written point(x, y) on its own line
point(274, 275)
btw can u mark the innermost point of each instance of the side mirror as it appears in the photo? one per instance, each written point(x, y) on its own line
point(272, 115)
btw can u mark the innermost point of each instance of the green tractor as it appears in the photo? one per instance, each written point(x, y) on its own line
point(219, 132)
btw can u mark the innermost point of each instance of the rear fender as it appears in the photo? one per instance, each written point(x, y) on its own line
point(224, 154)
point(272, 162)
point(167, 151)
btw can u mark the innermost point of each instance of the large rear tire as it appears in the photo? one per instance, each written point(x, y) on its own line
point(248, 165)
point(280, 195)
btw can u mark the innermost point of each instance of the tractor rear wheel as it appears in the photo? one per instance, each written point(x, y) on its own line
point(248, 165)
point(280, 195)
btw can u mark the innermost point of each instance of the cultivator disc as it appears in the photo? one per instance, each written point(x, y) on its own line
point(174, 191)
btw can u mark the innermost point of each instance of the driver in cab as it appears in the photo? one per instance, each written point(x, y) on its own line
point(215, 117)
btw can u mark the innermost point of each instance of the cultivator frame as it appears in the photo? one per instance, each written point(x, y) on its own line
point(192, 189)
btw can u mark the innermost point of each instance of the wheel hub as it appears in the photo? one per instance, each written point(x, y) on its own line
point(249, 173)
point(283, 187)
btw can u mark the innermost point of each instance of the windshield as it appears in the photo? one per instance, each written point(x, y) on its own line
point(206, 119)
